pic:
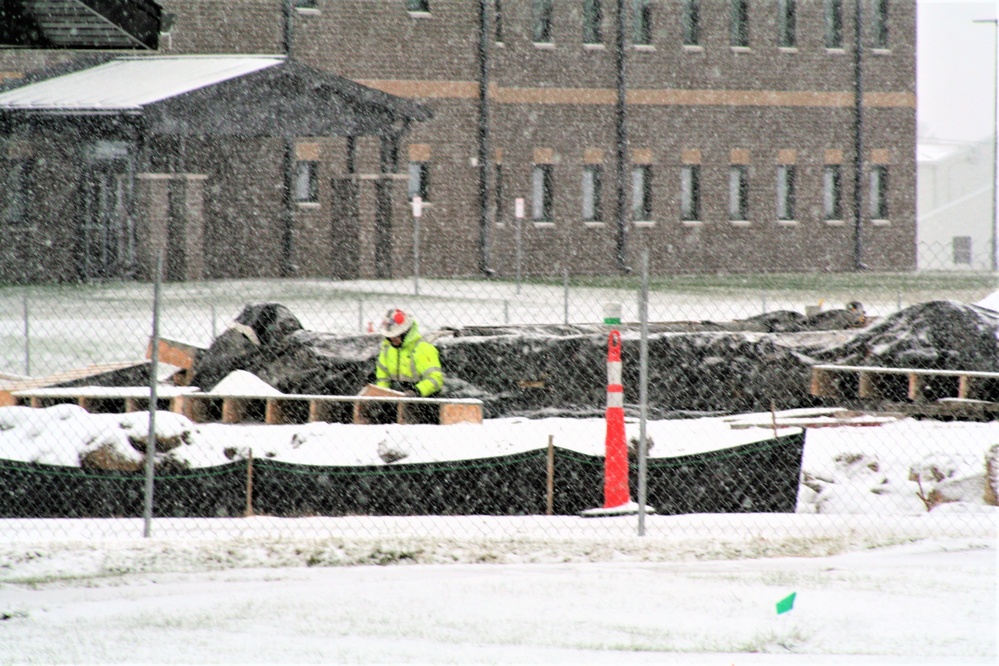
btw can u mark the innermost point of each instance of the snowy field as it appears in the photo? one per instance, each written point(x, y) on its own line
point(876, 577)
point(53, 328)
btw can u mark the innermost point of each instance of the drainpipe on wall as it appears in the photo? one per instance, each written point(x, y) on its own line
point(288, 13)
point(858, 139)
point(621, 144)
point(484, 162)
point(288, 268)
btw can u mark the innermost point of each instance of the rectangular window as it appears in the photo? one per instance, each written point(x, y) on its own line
point(641, 32)
point(785, 192)
point(690, 193)
point(306, 181)
point(305, 4)
point(831, 192)
point(499, 21)
point(500, 219)
point(834, 23)
point(738, 29)
point(592, 187)
point(879, 193)
point(14, 193)
point(542, 21)
point(418, 5)
point(641, 193)
point(738, 192)
point(419, 181)
point(787, 23)
point(879, 27)
point(691, 22)
point(541, 193)
point(593, 16)
point(962, 250)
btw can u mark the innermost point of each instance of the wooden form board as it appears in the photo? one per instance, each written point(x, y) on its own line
point(912, 384)
point(270, 409)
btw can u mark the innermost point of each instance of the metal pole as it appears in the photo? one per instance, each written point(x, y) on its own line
point(484, 161)
point(621, 142)
point(858, 138)
point(154, 359)
point(417, 213)
point(518, 211)
point(995, 144)
point(643, 394)
point(27, 337)
point(360, 315)
point(565, 294)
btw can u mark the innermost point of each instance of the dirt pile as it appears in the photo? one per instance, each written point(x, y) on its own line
point(694, 368)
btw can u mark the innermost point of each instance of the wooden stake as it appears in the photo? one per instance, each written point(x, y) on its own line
point(249, 485)
point(550, 500)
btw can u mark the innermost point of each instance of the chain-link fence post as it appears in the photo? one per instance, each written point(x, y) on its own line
point(643, 392)
point(154, 358)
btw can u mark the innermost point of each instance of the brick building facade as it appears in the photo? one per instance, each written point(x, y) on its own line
point(739, 117)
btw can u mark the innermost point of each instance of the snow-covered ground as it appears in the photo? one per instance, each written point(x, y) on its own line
point(877, 578)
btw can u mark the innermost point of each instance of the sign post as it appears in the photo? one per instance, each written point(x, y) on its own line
point(518, 211)
point(417, 213)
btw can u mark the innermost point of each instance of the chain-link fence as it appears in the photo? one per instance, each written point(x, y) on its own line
point(259, 427)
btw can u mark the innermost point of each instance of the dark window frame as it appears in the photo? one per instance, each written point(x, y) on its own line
point(879, 24)
point(593, 178)
point(641, 22)
point(879, 181)
point(738, 196)
point(542, 209)
point(419, 181)
point(541, 21)
point(641, 202)
point(15, 198)
point(833, 23)
point(738, 31)
point(690, 192)
point(787, 23)
point(690, 23)
point(787, 175)
point(832, 192)
point(593, 16)
point(307, 191)
point(418, 6)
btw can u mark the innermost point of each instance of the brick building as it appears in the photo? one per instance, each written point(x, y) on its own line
point(728, 144)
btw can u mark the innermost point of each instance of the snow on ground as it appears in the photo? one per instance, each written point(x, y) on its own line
point(877, 578)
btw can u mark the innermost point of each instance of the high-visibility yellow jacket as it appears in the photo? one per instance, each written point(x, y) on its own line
point(415, 363)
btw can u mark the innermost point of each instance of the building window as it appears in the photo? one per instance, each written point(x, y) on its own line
point(738, 192)
point(641, 32)
point(690, 193)
point(498, 171)
point(785, 192)
point(418, 6)
point(831, 192)
point(499, 21)
point(542, 28)
point(834, 24)
point(305, 4)
point(14, 193)
point(880, 24)
point(962, 249)
point(592, 188)
point(306, 181)
point(641, 193)
point(541, 193)
point(879, 193)
point(739, 23)
point(691, 22)
point(787, 23)
point(419, 181)
point(593, 16)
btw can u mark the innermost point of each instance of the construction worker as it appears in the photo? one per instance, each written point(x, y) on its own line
point(407, 362)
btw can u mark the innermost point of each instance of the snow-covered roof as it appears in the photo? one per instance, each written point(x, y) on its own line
point(129, 83)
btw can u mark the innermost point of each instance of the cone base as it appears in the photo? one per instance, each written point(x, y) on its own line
point(627, 509)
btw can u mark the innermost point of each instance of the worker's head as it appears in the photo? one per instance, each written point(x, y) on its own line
point(395, 325)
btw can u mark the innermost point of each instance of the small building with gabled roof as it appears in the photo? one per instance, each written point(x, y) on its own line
point(110, 159)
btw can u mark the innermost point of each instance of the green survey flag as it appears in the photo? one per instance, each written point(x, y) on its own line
point(786, 604)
